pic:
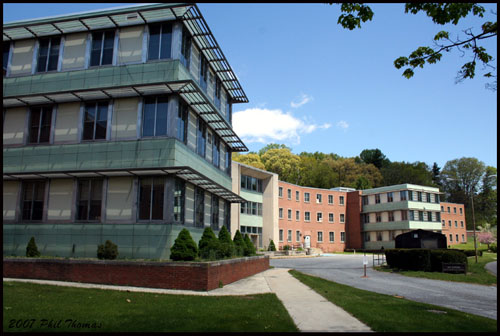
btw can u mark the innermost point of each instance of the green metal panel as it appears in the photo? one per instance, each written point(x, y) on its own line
point(251, 196)
point(403, 205)
point(250, 220)
point(96, 78)
point(414, 225)
point(424, 206)
point(402, 225)
point(399, 187)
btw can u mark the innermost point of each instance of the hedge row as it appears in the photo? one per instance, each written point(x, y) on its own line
point(423, 259)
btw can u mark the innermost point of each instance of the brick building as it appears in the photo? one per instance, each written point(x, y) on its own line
point(453, 223)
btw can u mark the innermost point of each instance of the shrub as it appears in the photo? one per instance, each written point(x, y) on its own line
point(249, 248)
point(446, 256)
point(208, 246)
point(493, 248)
point(239, 244)
point(32, 249)
point(226, 245)
point(409, 259)
point(286, 247)
point(107, 251)
point(271, 247)
point(184, 247)
point(471, 253)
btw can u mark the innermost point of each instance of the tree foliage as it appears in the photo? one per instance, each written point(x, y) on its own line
point(283, 162)
point(375, 157)
point(226, 245)
point(406, 172)
point(208, 246)
point(32, 249)
point(239, 244)
point(184, 247)
point(442, 14)
point(249, 247)
point(250, 159)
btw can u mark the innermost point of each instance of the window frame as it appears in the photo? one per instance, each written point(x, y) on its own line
point(143, 121)
point(342, 218)
point(320, 236)
point(151, 195)
point(214, 209)
point(38, 186)
point(330, 199)
point(179, 184)
point(101, 53)
point(331, 236)
point(89, 200)
point(95, 121)
point(160, 41)
point(48, 56)
point(341, 200)
point(307, 216)
point(43, 109)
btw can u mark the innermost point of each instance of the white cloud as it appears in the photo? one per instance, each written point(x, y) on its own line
point(343, 124)
point(303, 99)
point(266, 125)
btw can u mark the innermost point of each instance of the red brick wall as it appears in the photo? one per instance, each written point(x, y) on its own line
point(191, 276)
point(451, 217)
point(312, 227)
point(354, 227)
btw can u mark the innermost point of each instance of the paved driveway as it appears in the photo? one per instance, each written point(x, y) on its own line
point(348, 270)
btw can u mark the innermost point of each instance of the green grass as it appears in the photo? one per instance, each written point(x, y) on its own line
point(385, 313)
point(470, 245)
point(146, 312)
point(476, 273)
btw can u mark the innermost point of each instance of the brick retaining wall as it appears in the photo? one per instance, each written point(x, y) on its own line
point(200, 276)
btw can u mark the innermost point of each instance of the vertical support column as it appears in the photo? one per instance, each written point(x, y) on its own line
point(173, 110)
point(176, 40)
point(168, 199)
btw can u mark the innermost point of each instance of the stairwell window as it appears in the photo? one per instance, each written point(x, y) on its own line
point(154, 121)
point(95, 121)
point(102, 48)
point(40, 124)
point(160, 41)
point(48, 54)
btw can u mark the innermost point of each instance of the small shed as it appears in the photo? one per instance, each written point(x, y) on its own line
point(421, 239)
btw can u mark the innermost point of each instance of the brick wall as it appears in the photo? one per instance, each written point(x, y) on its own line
point(171, 275)
point(454, 224)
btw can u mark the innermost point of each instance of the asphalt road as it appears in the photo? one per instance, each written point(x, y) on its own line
point(348, 269)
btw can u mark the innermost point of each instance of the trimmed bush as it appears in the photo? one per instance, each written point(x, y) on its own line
point(409, 259)
point(493, 248)
point(184, 247)
point(107, 251)
point(226, 245)
point(446, 256)
point(208, 246)
point(249, 248)
point(271, 247)
point(286, 247)
point(239, 244)
point(471, 253)
point(32, 249)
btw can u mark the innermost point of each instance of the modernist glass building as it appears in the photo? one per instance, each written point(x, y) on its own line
point(116, 125)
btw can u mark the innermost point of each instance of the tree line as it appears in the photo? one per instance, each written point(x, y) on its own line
point(463, 180)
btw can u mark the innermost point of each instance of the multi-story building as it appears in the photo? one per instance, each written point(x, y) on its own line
point(258, 216)
point(116, 125)
point(312, 217)
point(453, 223)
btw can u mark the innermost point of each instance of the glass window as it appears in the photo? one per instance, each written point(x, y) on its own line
point(182, 122)
point(297, 215)
point(330, 217)
point(102, 48)
point(186, 47)
point(33, 199)
point(442, 208)
point(379, 236)
point(330, 199)
point(199, 207)
point(95, 121)
point(449, 223)
point(342, 218)
point(419, 196)
point(342, 237)
point(307, 216)
point(454, 210)
point(227, 215)
point(451, 237)
point(280, 192)
point(306, 197)
point(438, 216)
point(377, 199)
point(461, 223)
point(436, 198)
point(289, 237)
point(378, 217)
point(461, 211)
point(40, 124)
point(402, 195)
point(201, 137)
point(390, 197)
point(410, 195)
point(367, 236)
point(428, 197)
point(289, 214)
point(412, 214)
point(404, 215)
point(89, 199)
point(448, 209)
point(391, 216)
point(151, 193)
point(297, 195)
point(366, 218)
point(6, 53)
point(444, 223)
point(160, 41)
point(341, 200)
point(289, 194)
point(429, 216)
point(259, 209)
point(216, 151)
point(280, 211)
point(320, 236)
point(365, 200)
point(421, 216)
point(463, 238)
point(281, 235)
point(154, 121)
point(254, 208)
point(318, 198)
point(215, 213)
point(203, 73)
point(179, 197)
point(48, 54)
point(331, 236)
point(297, 236)
point(319, 216)
point(218, 87)
point(456, 224)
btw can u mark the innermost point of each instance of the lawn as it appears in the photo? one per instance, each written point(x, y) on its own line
point(476, 273)
point(470, 245)
point(34, 307)
point(385, 313)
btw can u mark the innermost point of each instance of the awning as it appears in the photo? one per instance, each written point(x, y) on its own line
point(186, 173)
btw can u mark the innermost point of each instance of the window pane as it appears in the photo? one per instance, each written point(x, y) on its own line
point(6, 52)
point(101, 122)
point(166, 41)
point(161, 116)
point(46, 121)
point(149, 117)
point(158, 190)
point(179, 200)
point(35, 124)
point(43, 53)
point(54, 54)
point(145, 198)
point(107, 53)
point(154, 42)
point(95, 54)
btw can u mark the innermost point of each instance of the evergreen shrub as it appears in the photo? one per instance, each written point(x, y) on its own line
point(208, 246)
point(471, 253)
point(493, 248)
point(249, 248)
point(108, 250)
point(184, 247)
point(226, 245)
point(32, 249)
point(446, 256)
point(409, 259)
point(239, 244)
point(271, 247)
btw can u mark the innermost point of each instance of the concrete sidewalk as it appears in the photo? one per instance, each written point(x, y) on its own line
point(309, 310)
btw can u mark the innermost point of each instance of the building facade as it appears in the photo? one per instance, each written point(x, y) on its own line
point(258, 216)
point(117, 124)
point(453, 223)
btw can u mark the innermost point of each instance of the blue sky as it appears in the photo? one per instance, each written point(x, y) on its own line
point(315, 86)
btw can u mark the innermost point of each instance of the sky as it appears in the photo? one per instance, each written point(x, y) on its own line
point(315, 86)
